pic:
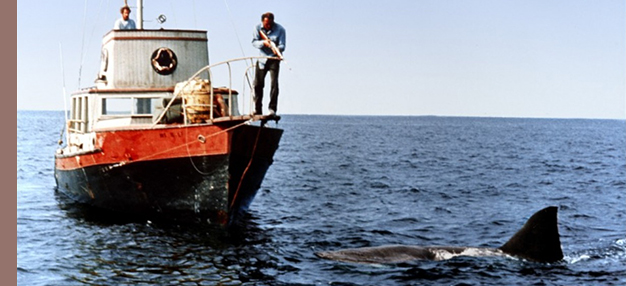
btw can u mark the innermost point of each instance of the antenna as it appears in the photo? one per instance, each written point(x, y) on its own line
point(67, 132)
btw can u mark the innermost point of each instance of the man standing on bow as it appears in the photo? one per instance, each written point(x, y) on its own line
point(270, 38)
point(124, 23)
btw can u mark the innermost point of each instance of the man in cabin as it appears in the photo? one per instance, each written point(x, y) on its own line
point(124, 23)
point(270, 38)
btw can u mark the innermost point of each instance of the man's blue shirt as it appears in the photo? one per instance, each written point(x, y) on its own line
point(277, 35)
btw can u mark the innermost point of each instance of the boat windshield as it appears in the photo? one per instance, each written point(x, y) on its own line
point(129, 106)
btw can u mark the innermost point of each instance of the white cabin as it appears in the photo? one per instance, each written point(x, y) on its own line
point(140, 59)
point(138, 74)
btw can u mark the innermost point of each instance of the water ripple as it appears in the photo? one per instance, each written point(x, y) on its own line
point(340, 182)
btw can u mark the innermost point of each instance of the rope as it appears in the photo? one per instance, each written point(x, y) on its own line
point(247, 167)
point(82, 48)
point(189, 153)
point(65, 115)
point(177, 147)
point(174, 13)
point(98, 19)
point(206, 68)
point(195, 21)
point(232, 22)
point(93, 31)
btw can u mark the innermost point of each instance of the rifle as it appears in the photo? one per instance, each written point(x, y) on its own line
point(272, 45)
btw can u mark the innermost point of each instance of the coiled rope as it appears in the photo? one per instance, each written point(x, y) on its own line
point(146, 158)
point(247, 167)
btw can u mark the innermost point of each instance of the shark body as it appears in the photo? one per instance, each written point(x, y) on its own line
point(538, 240)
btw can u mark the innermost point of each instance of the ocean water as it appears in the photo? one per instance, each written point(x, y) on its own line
point(351, 181)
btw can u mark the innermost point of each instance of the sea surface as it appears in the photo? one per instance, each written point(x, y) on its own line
point(353, 181)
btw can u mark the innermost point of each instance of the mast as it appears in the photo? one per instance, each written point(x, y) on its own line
point(140, 14)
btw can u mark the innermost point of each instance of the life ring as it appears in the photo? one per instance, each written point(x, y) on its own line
point(164, 61)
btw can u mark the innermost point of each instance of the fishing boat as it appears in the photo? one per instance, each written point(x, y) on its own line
point(155, 136)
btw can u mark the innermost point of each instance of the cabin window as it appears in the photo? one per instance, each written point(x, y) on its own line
point(127, 106)
point(74, 124)
point(79, 115)
point(117, 106)
point(142, 106)
point(85, 114)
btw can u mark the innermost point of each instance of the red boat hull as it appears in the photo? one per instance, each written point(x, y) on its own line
point(209, 173)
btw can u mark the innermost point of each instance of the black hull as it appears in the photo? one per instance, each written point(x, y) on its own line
point(212, 188)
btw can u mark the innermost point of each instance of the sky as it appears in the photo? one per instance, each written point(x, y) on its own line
point(491, 58)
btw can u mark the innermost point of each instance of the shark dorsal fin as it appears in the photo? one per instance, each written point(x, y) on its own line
point(538, 240)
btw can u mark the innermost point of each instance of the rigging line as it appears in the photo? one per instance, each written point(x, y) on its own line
point(232, 22)
point(195, 21)
point(214, 134)
point(67, 135)
point(247, 78)
point(179, 146)
point(173, 13)
point(82, 48)
point(247, 167)
point(189, 152)
point(93, 31)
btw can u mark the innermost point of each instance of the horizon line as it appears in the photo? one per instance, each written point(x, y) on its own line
point(409, 115)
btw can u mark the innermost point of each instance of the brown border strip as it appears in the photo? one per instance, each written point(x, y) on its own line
point(124, 90)
point(155, 38)
point(156, 30)
point(122, 37)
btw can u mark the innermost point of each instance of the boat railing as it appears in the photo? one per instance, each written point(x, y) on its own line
point(210, 75)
